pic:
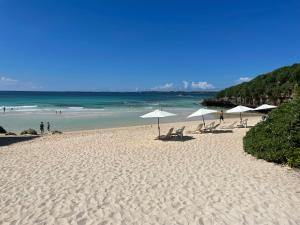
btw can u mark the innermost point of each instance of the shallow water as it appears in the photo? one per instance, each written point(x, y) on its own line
point(81, 110)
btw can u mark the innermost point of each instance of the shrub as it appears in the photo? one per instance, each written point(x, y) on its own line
point(277, 139)
point(56, 132)
point(29, 131)
point(10, 133)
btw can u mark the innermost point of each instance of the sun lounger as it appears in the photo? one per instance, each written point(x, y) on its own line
point(243, 123)
point(211, 129)
point(264, 118)
point(179, 132)
point(209, 126)
point(197, 130)
point(167, 136)
point(214, 128)
point(231, 126)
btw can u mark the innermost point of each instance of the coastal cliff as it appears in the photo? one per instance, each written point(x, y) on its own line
point(276, 87)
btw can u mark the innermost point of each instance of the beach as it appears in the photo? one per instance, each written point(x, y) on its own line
point(125, 176)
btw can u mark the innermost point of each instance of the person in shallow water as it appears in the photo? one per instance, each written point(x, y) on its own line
point(221, 116)
point(42, 128)
point(48, 126)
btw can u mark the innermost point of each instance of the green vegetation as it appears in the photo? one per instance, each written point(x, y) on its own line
point(277, 139)
point(30, 131)
point(280, 83)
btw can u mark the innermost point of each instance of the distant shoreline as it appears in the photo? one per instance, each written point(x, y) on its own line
point(144, 122)
point(200, 92)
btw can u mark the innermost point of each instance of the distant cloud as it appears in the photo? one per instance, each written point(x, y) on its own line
point(185, 84)
point(244, 79)
point(203, 85)
point(10, 84)
point(165, 87)
point(4, 80)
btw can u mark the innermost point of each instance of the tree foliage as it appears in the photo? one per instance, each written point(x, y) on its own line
point(276, 84)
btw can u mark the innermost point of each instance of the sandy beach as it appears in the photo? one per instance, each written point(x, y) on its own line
point(124, 176)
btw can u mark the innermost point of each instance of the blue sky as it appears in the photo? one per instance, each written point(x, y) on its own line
point(143, 45)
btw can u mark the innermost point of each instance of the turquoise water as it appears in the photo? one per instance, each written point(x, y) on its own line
point(82, 110)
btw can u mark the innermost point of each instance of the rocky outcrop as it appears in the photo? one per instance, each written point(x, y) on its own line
point(2, 130)
point(217, 102)
point(248, 101)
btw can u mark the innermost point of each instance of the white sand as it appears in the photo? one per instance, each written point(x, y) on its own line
point(123, 176)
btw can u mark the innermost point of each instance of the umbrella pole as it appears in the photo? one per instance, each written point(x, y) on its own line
point(203, 120)
point(241, 116)
point(158, 128)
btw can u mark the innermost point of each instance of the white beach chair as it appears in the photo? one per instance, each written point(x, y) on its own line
point(167, 136)
point(208, 127)
point(197, 130)
point(243, 124)
point(211, 129)
point(179, 132)
point(231, 126)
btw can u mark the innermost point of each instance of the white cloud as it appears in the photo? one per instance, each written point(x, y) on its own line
point(202, 85)
point(10, 84)
point(244, 79)
point(165, 87)
point(185, 84)
point(7, 80)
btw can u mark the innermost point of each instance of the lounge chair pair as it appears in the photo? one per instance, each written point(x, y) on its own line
point(170, 134)
point(210, 128)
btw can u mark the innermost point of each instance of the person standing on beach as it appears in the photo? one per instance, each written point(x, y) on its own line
point(221, 116)
point(4, 109)
point(42, 128)
point(48, 127)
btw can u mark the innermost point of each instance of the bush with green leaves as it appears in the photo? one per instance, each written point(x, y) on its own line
point(278, 138)
point(278, 83)
point(29, 131)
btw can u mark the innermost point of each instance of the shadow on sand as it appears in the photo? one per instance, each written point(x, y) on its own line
point(174, 138)
point(8, 140)
point(222, 131)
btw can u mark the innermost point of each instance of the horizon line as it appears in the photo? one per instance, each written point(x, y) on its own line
point(202, 91)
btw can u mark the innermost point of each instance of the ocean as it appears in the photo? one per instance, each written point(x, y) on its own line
point(92, 110)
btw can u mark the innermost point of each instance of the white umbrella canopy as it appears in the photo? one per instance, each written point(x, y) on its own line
point(239, 109)
point(158, 114)
point(202, 112)
point(265, 106)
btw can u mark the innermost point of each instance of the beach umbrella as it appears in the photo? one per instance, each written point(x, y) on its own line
point(239, 109)
point(158, 114)
point(265, 106)
point(202, 112)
